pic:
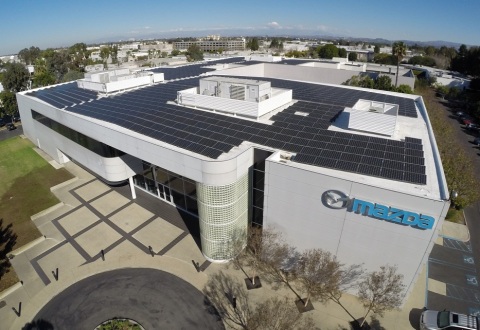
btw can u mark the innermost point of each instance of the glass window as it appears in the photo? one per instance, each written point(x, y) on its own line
point(176, 183)
point(258, 179)
point(139, 180)
point(178, 199)
point(95, 146)
point(257, 198)
point(190, 188)
point(162, 176)
point(151, 186)
point(257, 216)
point(191, 205)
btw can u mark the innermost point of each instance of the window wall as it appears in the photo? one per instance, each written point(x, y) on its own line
point(258, 185)
point(168, 186)
point(95, 146)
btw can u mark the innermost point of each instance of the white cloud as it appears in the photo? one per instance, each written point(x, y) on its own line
point(274, 25)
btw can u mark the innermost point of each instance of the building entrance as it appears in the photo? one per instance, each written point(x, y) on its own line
point(168, 186)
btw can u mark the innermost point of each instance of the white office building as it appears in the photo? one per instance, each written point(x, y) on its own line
point(352, 171)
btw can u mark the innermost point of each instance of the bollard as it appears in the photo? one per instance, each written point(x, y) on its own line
point(234, 302)
point(196, 265)
point(55, 274)
point(103, 254)
point(19, 311)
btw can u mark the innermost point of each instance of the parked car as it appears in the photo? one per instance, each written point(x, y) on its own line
point(472, 127)
point(476, 141)
point(467, 120)
point(460, 113)
point(11, 127)
point(434, 320)
point(2, 123)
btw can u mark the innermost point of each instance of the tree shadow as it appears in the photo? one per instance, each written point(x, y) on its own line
point(38, 325)
point(414, 317)
point(374, 324)
point(7, 241)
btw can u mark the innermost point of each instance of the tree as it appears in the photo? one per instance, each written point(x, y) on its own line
point(56, 62)
point(274, 313)
point(7, 241)
point(383, 58)
point(406, 89)
point(342, 52)
point(376, 49)
point(29, 55)
point(175, 52)
point(422, 60)
point(8, 102)
point(221, 291)
point(316, 273)
point(114, 53)
point(328, 51)
point(381, 291)
point(73, 75)
point(399, 50)
point(277, 260)
point(325, 277)
point(252, 44)
point(194, 53)
point(104, 54)
point(352, 56)
point(257, 241)
point(275, 43)
point(430, 50)
point(78, 55)
point(384, 83)
point(360, 81)
point(15, 78)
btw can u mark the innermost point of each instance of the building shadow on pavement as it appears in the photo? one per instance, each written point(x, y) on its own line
point(175, 216)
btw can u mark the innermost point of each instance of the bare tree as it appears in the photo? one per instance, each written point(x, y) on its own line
point(257, 240)
point(280, 314)
point(381, 291)
point(232, 304)
point(230, 300)
point(317, 273)
point(237, 249)
point(346, 277)
point(278, 260)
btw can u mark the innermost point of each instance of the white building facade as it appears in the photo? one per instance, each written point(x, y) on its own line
point(315, 166)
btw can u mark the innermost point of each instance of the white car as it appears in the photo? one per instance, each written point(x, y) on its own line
point(434, 320)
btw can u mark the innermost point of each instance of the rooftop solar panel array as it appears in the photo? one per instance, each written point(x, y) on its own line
point(210, 134)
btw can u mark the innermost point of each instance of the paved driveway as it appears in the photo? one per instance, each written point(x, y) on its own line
point(153, 298)
point(454, 263)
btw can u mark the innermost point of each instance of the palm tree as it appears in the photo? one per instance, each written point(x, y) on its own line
point(399, 49)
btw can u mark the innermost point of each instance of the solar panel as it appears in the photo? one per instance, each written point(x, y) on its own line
point(146, 111)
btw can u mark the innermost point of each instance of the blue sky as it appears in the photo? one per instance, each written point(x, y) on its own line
point(54, 23)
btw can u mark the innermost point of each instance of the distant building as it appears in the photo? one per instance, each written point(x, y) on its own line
point(213, 45)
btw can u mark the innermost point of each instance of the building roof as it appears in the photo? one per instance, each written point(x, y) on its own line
point(151, 112)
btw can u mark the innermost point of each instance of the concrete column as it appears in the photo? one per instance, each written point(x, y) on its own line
point(132, 187)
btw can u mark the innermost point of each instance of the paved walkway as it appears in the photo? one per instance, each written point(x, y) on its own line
point(93, 217)
point(146, 233)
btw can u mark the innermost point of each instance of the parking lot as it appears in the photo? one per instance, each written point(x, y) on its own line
point(453, 262)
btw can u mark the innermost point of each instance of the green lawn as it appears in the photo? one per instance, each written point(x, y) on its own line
point(25, 181)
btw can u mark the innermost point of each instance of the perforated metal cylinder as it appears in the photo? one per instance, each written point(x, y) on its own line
point(223, 213)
